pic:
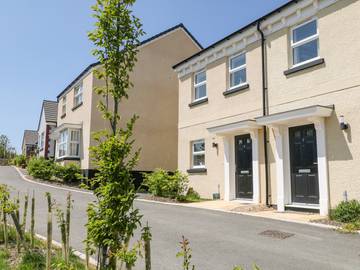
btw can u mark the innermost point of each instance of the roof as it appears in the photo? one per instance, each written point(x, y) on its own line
point(50, 109)
point(89, 67)
point(30, 137)
point(254, 23)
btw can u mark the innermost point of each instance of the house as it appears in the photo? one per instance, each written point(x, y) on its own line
point(269, 114)
point(29, 143)
point(154, 98)
point(47, 123)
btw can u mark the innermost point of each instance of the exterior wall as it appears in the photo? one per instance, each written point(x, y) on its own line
point(154, 98)
point(334, 83)
point(80, 115)
point(41, 129)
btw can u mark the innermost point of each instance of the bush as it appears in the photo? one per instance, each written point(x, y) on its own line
point(161, 183)
point(192, 195)
point(68, 173)
point(41, 168)
point(19, 161)
point(32, 260)
point(347, 212)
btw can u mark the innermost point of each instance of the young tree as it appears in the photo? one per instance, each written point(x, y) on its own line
point(113, 219)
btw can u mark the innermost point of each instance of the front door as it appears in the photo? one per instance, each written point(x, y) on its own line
point(243, 172)
point(303, 160)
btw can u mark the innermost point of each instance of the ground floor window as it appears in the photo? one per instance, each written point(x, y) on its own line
point(198, 154)
point(69, 143)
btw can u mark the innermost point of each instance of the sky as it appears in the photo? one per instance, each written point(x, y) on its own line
point(44, 45)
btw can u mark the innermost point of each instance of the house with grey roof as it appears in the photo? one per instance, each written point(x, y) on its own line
point(29, 143)
point(47, 123)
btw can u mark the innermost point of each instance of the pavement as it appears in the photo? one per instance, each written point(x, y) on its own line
point(219, 240)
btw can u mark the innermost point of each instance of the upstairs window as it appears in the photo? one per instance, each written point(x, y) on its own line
point(200, 86)
point(78, 98)
point(63, 105)
point(305, 42)
point(198, 154)
point(237, 70)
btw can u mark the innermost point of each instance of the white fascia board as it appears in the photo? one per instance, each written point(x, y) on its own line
point(234, 127)
point(297, 114)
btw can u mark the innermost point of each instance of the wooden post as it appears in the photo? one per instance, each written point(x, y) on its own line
point(32, 224)
point(49, 232)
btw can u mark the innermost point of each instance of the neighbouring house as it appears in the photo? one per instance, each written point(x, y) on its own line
point(47, 123)
point(270, 113)
point(154, 98)
point(29, 143)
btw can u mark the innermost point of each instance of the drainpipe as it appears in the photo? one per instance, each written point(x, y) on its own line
point(265, 109)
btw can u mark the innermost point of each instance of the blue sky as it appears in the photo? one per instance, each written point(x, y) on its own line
point(44, 44)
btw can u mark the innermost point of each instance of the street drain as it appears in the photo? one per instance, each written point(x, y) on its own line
point(276, 234)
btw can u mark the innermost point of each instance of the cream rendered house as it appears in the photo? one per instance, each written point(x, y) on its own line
point(153, 98)
point(269, 114)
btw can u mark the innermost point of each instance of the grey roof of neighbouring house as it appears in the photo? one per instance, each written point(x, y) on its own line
point(30, 137)
point(50, 108)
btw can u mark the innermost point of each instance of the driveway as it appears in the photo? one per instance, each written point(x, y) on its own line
point(218, 240)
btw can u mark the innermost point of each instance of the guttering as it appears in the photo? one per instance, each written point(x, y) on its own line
point(265, 106)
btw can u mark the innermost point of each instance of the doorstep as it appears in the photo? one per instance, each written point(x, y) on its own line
point(256, 210)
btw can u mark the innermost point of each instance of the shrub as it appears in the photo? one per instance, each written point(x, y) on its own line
point(32, 260)
point(161, 183)
point(19, 161)
point(68, 173)
point(192, 195)
point(41, 168)
point(347, 212)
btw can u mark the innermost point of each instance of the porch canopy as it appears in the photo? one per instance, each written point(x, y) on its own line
point(56, 132)
point(234, 128)
point(292, 116)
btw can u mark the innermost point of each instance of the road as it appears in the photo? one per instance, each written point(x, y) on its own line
point(219, 241)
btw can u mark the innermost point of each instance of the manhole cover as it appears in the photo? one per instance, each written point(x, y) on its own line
point(276, 234)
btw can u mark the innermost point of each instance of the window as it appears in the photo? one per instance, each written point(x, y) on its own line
point(63, 143)
point(42, 139)
point(63, 106)
point(305, 42)
point(69, 143)
point(198, 154)
point(78, 95)
point(237, 70)
point(200, 85)
point(74, 144)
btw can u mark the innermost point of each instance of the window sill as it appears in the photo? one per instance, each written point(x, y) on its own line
point(197, 170)
point(77, 106)
point(67, 158)
point(198, 102)
point(236, 89)
point(302, 67)
point(63, 116)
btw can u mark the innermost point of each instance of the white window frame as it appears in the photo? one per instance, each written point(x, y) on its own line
point(236, 69)
point(79, 94)
point(199, 84)
point(199, 153)
point(61, 143)
point(304, 41)
point(68, 142)
point(63, 105)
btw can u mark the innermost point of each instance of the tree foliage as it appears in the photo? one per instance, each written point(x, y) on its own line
point(112, 219)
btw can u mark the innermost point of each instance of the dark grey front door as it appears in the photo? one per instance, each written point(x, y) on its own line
point(303, 160)
point(243, 172)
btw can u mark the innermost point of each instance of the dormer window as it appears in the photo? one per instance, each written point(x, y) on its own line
point(237, 70)
point(78, 98)
point(200, 86)
point(305, 43)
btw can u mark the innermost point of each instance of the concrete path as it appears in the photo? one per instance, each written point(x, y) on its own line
point(218, 240)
